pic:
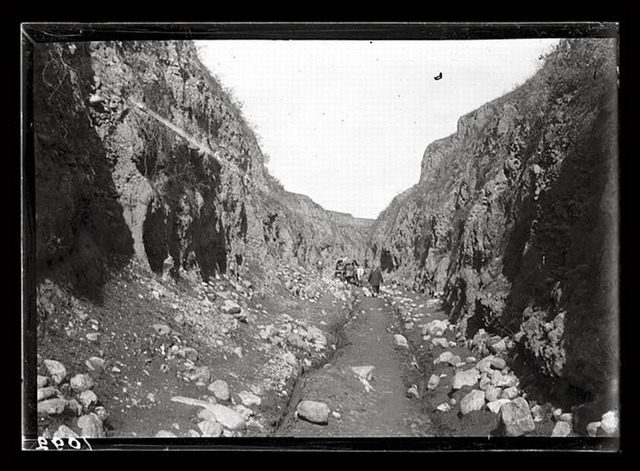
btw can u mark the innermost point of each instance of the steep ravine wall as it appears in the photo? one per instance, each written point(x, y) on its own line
point(140, 153)
point(515, 220)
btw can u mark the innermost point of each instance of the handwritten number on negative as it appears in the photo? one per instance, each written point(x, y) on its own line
point(59, 443)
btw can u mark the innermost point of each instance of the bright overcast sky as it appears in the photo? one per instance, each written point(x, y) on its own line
point(347, 122)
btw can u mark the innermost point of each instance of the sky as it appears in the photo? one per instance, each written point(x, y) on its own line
point(346, 122)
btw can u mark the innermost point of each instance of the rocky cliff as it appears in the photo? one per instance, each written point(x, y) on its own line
point(140, 153)
point(515, 220)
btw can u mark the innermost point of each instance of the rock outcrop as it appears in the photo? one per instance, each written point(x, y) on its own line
point(139, 152)
point(515, 220)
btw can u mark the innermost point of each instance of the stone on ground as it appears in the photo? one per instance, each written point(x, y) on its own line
point(561, 429)
point(472, 401)
point(227, 417)
point(81, 382)
point(250, 399)
point(436, 328)
point(165, 434)
point(592, 428)
point(510, 393)
point(95, 364)
point(495, 405)
point(220, 390)
point(210, 428)
point(492, 393)
point(400, 341)
point(52, 406)
point(91, 426)
point(465, 378)
point(65, 432)
point(498, 363)
point(200, 374)
point(47, 392)
point(313, 411)
point(433, 382)
point(87, 398)
point(610, 422)
point(515, 417)
point(42, 381)
point(161, 329)
point(365, 372)
point(230, 307)
point(56, 370)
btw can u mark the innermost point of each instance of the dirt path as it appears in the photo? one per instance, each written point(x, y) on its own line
point(383, 409)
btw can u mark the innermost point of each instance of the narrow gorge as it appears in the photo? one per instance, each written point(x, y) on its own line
point(166, 265)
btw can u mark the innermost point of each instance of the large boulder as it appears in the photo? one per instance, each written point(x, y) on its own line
point(313, 411)
point(515, 418)
point(473, 401)
point(465, 378)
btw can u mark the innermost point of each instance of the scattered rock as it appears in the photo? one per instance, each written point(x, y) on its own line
point(81, 382)
point(188, 353)
point(95, 364)
point(465, 378)
point(413, 391)
point(436, 328)
point(230, 307)
point(561, 429)
point(365, 372)
point(249, 399)
point(201, 374)
point(47, 392)
point(472, 401)
point(495, 405)
point(444, 407)
point(56, 370)
point(165, 434)
point(87, 398)
point(244, 411)
point(161, 329)
point(220, 390)
point(566, 417)
point(290, 358)
point(498, 363)
point(226, 416)
point(440, 342)
point(537, 412)
point(52, 406)
point(313, 411)
point(499, 346)
point(484, 365)
point(91, 426)
point(433, 382)
point(93, 336)
point(592, 428)
point(400, 341)
point(610, 422)
point(510, 393)
point(42, 381)
point(210, 428)
point(492, 393)
point(101, 412)
point(515, 417)
point(65, 432)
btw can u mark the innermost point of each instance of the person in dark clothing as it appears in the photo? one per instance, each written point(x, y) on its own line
point(375, 280)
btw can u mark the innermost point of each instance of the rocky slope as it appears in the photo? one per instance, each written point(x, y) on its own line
point(514, 221)
point(140, 153)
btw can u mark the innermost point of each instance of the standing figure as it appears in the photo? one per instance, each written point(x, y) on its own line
point(360, 276)
point(375, 280)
